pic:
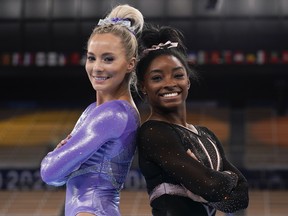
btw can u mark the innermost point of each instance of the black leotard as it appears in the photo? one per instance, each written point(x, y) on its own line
point(171, 174)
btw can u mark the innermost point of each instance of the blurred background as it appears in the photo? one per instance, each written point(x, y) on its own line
point(239, 48)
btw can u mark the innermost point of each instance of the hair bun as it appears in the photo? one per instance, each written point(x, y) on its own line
point(154, 35)
point(130, 13)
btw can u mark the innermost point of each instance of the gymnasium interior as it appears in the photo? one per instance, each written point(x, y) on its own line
point(238, 47)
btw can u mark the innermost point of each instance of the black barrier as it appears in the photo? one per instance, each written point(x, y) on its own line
point(30, 179)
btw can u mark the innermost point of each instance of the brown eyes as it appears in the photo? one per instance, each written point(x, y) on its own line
point(90, 58)
point(106, 59)
point(158, 78)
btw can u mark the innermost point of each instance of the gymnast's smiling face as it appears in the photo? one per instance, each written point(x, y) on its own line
point(107, 64)
point(166, 83)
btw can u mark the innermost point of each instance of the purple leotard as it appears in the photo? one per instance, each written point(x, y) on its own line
point(96, 159)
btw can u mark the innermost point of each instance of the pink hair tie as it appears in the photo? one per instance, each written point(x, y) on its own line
point(167, 45)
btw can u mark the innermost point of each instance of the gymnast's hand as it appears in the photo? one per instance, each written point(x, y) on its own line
point(63, 142)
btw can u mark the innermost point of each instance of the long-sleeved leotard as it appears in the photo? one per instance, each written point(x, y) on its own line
point(167, 168)
point(96, 159)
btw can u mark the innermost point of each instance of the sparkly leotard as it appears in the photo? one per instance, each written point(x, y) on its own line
point(96, 159)
point(178, 184)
